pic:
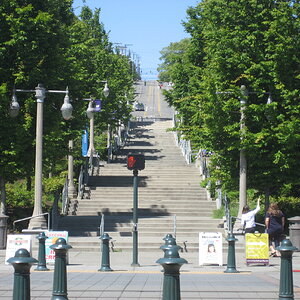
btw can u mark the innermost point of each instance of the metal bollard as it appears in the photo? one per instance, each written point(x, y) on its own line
point(42, 253)
point(22, 263)
point(59, 291)
point(286, 289)
point(170, 242)
point(171, 264)
point(168, 236)
point(105, 265)
point(231, 267)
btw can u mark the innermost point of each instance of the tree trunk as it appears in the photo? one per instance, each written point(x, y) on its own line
point(28, 183)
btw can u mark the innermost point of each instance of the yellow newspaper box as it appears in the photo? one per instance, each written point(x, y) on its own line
point(257, 248)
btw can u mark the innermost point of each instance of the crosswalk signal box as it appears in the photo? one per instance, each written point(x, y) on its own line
point(135, 162)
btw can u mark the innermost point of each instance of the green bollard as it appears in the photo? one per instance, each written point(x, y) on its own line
point(59, 291)
point(42, 253)
point(171, 264)
point(105, 265)
point(168, 236)
point(286, 289)
point(22, 263)
point(170, 242)
point(231, 267)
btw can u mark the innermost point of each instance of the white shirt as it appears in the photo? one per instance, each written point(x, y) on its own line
point(249, 219)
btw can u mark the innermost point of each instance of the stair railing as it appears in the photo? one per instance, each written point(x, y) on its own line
point(101, 227)
point(182, 143)
point(118, 140)
point(32, 217)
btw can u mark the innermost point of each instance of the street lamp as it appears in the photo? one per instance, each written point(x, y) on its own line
point(243, 160)
point(38, 220)
point(90, 114)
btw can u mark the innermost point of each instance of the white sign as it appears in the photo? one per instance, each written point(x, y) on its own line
point(53, 236)
point(210, 248)
point(16, 242)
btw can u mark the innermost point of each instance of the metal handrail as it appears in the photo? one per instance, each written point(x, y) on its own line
point(33, 217)
point(118, 141)
point(101, 228)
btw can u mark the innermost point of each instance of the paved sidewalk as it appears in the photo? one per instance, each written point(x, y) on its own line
point(145, 282)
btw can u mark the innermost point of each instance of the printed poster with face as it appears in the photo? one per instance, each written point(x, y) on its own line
point(210, 248)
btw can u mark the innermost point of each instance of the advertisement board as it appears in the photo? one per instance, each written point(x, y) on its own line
point(16, 242)
point(210, 248)
point(53, 236)
point(257, 248)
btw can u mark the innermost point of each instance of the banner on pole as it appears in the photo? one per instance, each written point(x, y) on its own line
point(210, 248)
point(257, 248)
point(85, 143)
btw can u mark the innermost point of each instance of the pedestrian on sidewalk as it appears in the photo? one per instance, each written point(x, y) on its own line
point(248, 217)
point(274, 225)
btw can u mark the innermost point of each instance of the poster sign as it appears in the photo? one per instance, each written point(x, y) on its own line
point(53, 236)
point(16, 242)
point(210, 248)
point(257, 248)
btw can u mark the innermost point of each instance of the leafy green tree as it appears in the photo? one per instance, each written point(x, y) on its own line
point(44, 42)
point(251, 43)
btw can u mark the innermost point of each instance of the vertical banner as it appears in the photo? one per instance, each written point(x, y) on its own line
point(97, 103)
point(85, 143)
point(210, 248)
point(257, 248)
point(16, 242)
point(53, 236)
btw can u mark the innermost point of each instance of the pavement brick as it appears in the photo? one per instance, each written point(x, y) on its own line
point(86, 283)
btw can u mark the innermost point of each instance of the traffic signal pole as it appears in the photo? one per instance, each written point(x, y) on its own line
point(135, 162)
point(135, 220)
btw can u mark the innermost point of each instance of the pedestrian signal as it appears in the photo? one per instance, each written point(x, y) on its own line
point(135, 162)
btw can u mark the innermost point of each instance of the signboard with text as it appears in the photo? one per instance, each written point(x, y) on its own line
point(210, 248)
point(257, 248)
point(16, 242)
point(53, 236)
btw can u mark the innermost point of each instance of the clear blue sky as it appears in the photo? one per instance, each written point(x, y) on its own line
point(149, 25)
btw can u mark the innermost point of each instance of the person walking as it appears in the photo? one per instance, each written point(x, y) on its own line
point(274, 225)
point(248, 217)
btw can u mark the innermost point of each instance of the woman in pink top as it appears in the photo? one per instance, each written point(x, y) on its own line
point(248, 217)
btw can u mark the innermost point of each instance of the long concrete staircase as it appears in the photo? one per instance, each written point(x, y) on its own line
point(169, 195)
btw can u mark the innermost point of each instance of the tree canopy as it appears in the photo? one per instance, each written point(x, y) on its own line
point(43, 41)
point(234, 43)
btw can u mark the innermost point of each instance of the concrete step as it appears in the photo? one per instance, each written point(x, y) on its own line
point(167, 186)
point(93, 244)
